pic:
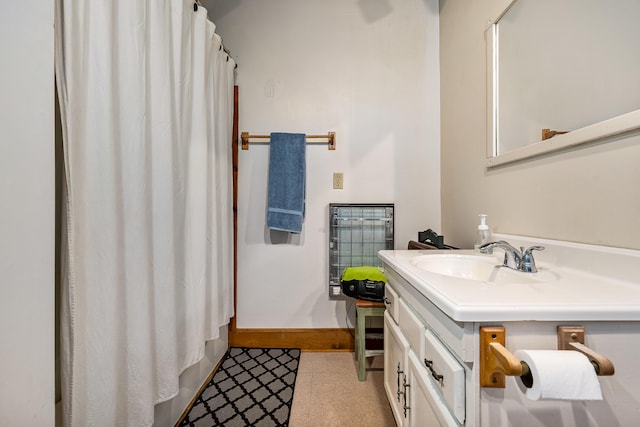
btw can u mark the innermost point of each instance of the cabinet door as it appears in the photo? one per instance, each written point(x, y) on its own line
point(427, 408)
point(447, 374)
point(396, 348)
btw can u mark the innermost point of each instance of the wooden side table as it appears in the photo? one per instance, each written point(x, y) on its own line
point(365, 309)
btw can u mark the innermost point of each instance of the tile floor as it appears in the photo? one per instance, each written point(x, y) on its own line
point(328, 393)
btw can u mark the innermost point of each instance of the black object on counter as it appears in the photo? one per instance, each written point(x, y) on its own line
point(432, 238)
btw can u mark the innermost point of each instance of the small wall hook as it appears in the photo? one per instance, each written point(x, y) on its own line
point(548, 133)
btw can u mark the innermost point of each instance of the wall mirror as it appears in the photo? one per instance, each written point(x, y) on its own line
point(565, 66)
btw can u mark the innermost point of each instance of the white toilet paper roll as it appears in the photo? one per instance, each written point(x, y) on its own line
point(560, 374)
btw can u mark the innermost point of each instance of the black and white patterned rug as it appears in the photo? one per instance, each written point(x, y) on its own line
point(252, 387)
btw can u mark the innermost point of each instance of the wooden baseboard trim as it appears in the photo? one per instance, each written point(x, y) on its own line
point(327, 339)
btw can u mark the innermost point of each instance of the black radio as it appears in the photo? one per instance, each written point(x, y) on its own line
point(369, 290)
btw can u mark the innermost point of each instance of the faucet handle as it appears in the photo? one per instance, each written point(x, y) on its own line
point(527, 263)
point(530, 249)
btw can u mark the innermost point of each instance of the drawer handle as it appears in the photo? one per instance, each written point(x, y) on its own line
point(434, 374)
point(437, 377)
point(387, 301)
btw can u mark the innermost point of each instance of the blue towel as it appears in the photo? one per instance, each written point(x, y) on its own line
point(287, 171)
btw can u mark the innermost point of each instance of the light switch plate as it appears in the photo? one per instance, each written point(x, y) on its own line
point(338, 180)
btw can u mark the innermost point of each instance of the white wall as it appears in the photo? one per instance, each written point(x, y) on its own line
point(367, 70)
point(587, 195)
point(27, 215)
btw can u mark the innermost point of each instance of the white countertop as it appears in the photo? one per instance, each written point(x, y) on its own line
point(576, 295)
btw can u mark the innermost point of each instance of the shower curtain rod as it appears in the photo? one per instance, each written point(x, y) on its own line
point(330, 138)
point(197, 3)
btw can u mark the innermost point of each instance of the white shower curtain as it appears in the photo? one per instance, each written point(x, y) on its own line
point(146, 95)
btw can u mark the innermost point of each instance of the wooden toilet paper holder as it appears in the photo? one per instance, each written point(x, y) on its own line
point(496, 362)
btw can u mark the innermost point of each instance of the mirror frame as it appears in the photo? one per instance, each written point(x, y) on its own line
point(624, 123)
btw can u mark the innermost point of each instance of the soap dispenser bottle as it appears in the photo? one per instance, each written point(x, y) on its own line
point(483, 235)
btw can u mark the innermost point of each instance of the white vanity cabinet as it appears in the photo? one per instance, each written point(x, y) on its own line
point(424, 382)
point(433, 327)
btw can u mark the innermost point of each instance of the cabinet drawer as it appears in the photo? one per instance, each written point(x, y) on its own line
point(412, 327)
point(447, 374)
point(427, 407)
point(391, 301)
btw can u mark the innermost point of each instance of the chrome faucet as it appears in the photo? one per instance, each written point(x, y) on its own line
point(516, 259)
point(512, 255)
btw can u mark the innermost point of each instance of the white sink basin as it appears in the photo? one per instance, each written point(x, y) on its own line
point(477, 267)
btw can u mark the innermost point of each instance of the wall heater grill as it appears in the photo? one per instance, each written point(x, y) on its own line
point(356, 233)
